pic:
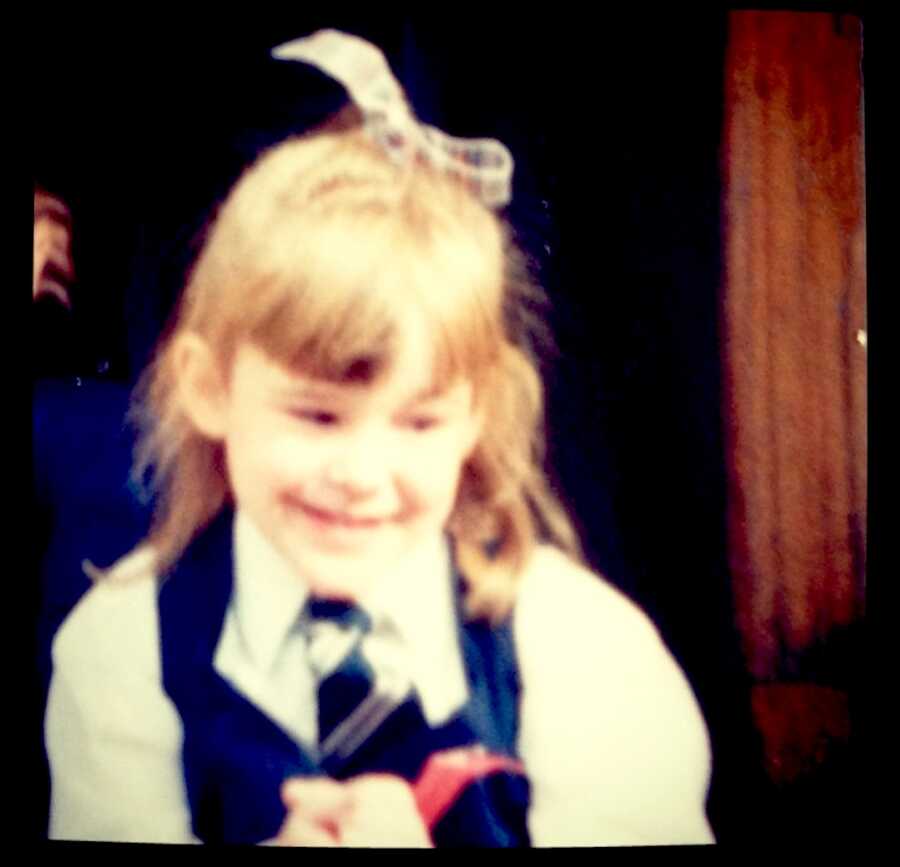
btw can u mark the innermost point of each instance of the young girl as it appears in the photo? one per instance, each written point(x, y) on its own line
point(346, 408)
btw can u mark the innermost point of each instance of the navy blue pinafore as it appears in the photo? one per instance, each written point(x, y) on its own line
point(235, 757)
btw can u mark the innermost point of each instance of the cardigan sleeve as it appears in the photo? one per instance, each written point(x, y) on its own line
point(611, 735)
point(113, 737)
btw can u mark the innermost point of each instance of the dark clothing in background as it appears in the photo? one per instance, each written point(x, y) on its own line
point(85, 506)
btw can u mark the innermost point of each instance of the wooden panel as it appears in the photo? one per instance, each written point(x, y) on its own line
point(793, 308)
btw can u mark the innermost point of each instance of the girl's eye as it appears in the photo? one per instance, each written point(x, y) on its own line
point(320, 417)
point(423, 422)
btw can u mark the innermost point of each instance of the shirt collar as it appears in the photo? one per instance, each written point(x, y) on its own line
point(414, 599)
point(268, 596)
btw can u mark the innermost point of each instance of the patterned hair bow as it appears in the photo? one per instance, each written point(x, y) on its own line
point(485, 165)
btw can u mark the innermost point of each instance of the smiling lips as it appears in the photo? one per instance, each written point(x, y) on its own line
point(338, 519)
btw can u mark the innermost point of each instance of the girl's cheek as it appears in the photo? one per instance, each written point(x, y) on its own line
point(286, 454)
point(435, 478)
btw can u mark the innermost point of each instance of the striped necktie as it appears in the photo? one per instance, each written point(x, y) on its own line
point(360, 682)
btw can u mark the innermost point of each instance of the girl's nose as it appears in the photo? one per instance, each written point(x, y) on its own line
point(360, 470)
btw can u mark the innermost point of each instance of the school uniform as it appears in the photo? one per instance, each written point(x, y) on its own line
point(578, 686)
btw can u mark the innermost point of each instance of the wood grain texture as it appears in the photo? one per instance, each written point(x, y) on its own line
point(792, 311)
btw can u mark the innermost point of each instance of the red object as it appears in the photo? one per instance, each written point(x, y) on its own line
point(448, 773)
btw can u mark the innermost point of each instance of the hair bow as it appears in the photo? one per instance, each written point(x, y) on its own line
point(485, 165)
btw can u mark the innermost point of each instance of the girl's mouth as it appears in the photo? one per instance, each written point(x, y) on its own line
point(328, 518)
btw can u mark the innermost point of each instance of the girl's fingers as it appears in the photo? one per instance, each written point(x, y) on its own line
point(317, 798)
point(370, 810)
point(298, 830)
point(385, 814)
point(316, 808)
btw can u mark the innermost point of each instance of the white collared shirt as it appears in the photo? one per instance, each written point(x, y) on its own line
point(611, 736)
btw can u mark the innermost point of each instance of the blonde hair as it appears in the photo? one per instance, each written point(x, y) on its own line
point(318, 246)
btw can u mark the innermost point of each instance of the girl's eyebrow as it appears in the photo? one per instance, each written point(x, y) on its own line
point(438, 394)
point(320, 390)
point(310, 391)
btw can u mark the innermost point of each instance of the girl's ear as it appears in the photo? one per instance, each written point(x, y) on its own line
point(202, 388)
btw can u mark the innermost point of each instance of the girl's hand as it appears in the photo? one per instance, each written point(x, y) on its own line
point(384, 814)
point(376, 810)
point(317, 807)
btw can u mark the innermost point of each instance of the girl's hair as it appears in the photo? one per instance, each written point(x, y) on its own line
point(313, 256)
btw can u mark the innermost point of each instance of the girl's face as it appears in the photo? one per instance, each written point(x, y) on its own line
point(344, 479)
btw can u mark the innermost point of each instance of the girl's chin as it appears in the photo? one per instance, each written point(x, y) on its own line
point(338, 583)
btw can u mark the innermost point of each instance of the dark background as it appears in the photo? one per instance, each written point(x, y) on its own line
point(615, 126)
